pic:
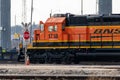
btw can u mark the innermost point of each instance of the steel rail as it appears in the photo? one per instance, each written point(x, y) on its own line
point(69, 77)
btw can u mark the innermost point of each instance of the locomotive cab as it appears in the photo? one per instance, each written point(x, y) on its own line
point(53, 28)
point(49, 32)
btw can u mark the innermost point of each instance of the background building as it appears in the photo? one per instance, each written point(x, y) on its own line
point(5, 24)
point(105, 6)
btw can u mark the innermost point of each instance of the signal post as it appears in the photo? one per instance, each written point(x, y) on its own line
point(26, 37)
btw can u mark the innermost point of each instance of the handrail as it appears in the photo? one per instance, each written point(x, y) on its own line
point(79, 41)
point(90, 39)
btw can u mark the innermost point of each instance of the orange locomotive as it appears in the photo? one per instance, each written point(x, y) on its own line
point(63, 36)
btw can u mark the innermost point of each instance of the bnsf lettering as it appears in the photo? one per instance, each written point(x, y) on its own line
point(107, 31)
point(98, 31)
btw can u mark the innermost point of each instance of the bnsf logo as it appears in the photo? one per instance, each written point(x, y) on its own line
point(107, 31)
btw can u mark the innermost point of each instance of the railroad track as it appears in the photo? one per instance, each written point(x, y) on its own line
point(60, 72)
point(58, 77)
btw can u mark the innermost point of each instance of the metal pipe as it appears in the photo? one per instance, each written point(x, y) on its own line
point(81, 7)
point(31, 21)
point(96, 6)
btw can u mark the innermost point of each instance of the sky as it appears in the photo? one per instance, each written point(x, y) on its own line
point(42, 9)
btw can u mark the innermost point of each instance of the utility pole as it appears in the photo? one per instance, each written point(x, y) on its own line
point(31, 21)
point(15, 24)
point(96, 6)
point(24, 12)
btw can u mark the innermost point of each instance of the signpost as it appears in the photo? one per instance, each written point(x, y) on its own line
point(26, 35)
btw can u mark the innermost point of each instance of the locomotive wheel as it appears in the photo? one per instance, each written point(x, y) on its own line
point(42, 57)
point(49, 60)
point(51, 56)
point(46, 58)
point(69, 58)
point(63, 59)
point(54, 57)
point(37, 56)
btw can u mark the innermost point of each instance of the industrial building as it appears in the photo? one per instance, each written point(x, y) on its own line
point(105, 6)
point(5, 24)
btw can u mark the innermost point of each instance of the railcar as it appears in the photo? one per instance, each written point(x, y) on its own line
point(63, 36)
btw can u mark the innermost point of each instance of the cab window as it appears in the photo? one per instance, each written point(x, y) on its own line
point(52, 28)
point(55, 28)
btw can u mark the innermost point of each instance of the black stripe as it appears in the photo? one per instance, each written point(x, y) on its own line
point(100, 36)
point(55, 44)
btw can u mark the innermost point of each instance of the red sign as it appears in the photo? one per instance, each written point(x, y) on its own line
point(26, 35)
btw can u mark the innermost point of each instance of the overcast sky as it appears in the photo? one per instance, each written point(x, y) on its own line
point(42, 8)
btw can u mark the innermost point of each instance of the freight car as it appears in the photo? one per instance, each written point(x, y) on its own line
point(63, 36)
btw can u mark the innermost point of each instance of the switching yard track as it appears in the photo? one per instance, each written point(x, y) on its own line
point(59, 72)
point(59, 77)
point(91, 66)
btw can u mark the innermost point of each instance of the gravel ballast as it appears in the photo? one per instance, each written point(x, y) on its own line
point(60, 70)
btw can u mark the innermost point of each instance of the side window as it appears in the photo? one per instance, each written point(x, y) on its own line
point(42, 27)
point(63, 26)
point(37, 37)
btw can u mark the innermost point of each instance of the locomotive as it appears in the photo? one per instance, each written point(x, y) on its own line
point(63, 36)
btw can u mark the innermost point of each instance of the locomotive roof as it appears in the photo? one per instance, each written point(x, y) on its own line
point(85, 20)
point(88, 16)
point(55, 20)
point(102, 16)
